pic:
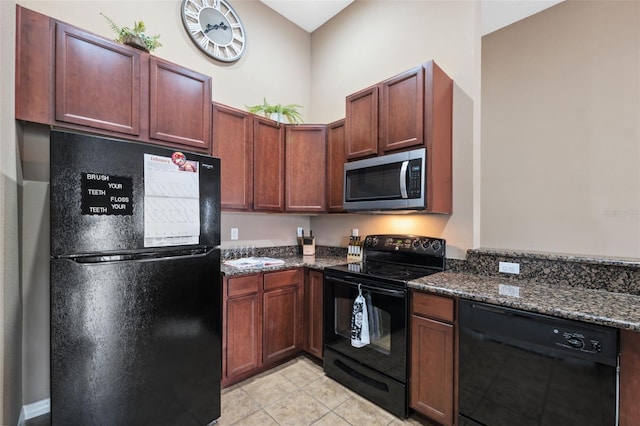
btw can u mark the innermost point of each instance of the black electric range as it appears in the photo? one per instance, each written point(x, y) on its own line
point(376, 366)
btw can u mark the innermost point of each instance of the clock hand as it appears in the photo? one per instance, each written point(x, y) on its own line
point(219, 26)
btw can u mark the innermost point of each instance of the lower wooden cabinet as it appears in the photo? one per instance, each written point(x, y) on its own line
point(262, 322)
point(433, 350)
point(314, 281)
point(282, 315)
point(629, 377)
point(242, 327)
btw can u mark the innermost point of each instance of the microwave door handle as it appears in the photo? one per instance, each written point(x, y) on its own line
point(403, 179)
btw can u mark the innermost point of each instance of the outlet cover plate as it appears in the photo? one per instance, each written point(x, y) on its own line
point(509, 267)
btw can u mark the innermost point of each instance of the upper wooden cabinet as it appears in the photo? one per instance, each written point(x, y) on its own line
point(268, 165)
point(306, 153)
point(361, 123)
point(179, 105)
point(97, 82)
point(410, 110)
point(232, 142)
point(335, 166)
point(69, 77)
point(401, 111)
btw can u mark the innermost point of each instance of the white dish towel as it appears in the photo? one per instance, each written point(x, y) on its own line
point(359, 322)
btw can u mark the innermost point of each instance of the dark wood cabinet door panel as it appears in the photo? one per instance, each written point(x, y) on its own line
point(232, 142)
point(180, 105)
point(268, 165)
point(243, 335)
point(629, 377)
point(35, 46)
point(97, 82)
point(335, 166)
point(282, 317)
point(361, 123)
point(314, 297)
point(306, 154)
point(432, 380)
point(401, 111)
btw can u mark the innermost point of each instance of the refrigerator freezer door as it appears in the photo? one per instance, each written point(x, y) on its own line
point(109, 195)
point(136, 342)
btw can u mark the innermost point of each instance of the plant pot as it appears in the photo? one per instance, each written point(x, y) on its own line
point(278, 117)
point(135, 41)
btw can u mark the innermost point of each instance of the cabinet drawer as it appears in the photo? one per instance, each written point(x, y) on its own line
point(432, 306)
point(242, 286)
point(281, 279)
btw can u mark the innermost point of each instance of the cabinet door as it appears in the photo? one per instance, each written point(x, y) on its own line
point(232, 142)
point(335, 166)
point(180, 105)
point(97, 82)
point(306, 153)
point(242, 340)
point(314, 312)
point(432, 358)
point(402, 111)
point(361, 123)
point(268, 165)
point(282, 317)
point(35, 44)
point(629, 377)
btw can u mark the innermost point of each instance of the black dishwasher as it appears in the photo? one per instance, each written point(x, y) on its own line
point(526, 369)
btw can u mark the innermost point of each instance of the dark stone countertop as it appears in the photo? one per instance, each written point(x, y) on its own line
point(597, 306)
point(312, 262)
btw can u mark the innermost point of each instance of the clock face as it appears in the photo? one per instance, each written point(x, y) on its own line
point(215, 28)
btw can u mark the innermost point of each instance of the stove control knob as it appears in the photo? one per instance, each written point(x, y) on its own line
point(372, 241)
point(416, 244)
point(425, 244)
point(436, 245)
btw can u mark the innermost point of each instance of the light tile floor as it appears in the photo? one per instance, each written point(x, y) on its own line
point(298, 393)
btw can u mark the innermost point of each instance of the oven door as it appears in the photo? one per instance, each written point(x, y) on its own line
point(387, 315)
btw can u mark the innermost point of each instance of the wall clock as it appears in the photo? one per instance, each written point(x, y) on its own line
point(215, 28)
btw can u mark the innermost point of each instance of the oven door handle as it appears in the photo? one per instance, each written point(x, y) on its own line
point(388, 292)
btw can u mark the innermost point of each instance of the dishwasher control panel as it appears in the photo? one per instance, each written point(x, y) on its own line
point(557, 337)
point(578, 341)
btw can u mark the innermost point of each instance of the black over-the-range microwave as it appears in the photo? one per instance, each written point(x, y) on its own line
point(389, 182)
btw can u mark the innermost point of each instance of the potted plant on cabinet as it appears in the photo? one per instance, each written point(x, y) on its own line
point(134, 37)
point(278, 112)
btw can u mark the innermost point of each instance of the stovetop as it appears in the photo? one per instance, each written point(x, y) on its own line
point(384, 271)
point(397, 259)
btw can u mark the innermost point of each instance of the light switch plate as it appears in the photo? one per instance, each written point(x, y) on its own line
point(234, 233)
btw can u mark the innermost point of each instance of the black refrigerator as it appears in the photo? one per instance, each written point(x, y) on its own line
point(136, 313)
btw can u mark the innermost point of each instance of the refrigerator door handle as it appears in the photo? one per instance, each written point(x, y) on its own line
point(137, 256)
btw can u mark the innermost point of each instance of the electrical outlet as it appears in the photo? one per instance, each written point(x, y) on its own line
point(234, 233)
point(509, 268)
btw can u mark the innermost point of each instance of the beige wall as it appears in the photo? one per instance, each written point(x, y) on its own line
point(561, 131)
point(372, 40)
point(10, 307)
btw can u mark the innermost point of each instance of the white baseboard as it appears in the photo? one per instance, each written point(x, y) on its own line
point(35, 409)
